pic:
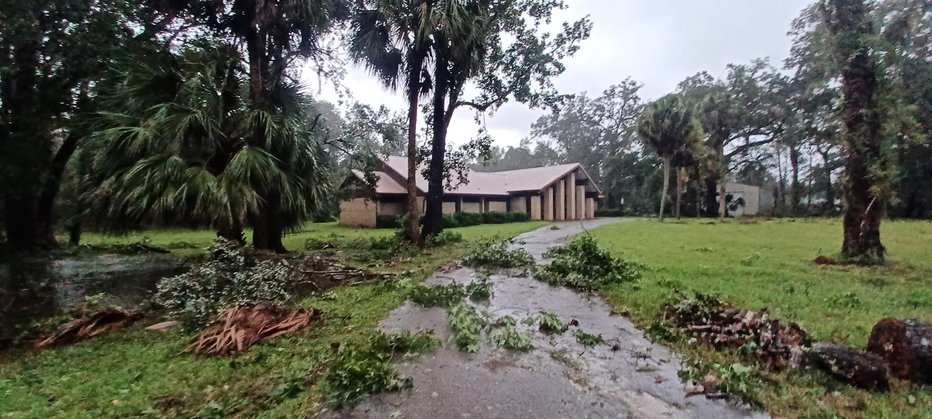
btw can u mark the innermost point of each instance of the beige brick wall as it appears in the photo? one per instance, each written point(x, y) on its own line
point(449, 207)
point(391, 208)
point(473, 207)
point(547, 204)
point(497, 206)
point(571, 198)
point(590, 207)
point(358, 212)
point(518, 204)
point(535, 207)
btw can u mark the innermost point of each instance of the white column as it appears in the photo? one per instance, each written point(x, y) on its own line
point(561, 201)
point(571, 197)
point(581, 203)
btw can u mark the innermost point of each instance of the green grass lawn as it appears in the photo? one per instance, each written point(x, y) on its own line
point(140, 373)
point(186, 242)
point(757, 264)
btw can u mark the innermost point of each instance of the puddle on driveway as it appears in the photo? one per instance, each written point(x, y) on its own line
point(558, 378)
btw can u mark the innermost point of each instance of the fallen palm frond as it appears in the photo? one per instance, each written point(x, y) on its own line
point(88, 326)
point(238, 328)
point(722, 325)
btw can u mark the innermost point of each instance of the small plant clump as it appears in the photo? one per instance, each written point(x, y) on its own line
point(587, 339)
point(230, 277)
point(584, 266)
point(496, 253)
point(467, 325)
point(359, 372)
point(505, 334)
point(736, 381)
point(450, 295)
point(549, 323)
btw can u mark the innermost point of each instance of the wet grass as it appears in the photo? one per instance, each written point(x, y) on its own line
point(190, 242)
point(756, 264)
point(139, 373)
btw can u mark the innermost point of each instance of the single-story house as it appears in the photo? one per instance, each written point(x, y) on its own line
point(747, 199)
point(552, 193)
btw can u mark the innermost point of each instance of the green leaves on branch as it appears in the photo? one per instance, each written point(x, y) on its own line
point(584, 266)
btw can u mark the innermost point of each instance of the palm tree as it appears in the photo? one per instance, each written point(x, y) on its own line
point(179, 149)
point(392, 38)
point(668, 126)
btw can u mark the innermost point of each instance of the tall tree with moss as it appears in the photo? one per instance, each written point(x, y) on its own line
point(670, 128)
point(861, 115)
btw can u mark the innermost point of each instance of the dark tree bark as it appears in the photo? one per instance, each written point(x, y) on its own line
point(414, 89)
point(797, 194)
point(666, 183)
point(711, 194)
point(860, 369)
point(861, 133)
point(679, 190)
point(433, 215)
point(906, 346)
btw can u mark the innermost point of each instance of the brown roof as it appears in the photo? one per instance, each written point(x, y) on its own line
point(481, 183)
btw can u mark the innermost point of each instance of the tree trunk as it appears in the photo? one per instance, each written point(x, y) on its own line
point(722, 208)
point(74, 233)
point(679, 190)
point(711, 201)
point(414, 212)
point(861, 133)
point(860, 369)
point(905, 346)
point(796, 195)
point(45, 209)
point(26, 144)
point(433, 216)
point(666, 183)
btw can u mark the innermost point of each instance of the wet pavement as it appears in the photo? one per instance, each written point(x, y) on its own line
point(625, 377)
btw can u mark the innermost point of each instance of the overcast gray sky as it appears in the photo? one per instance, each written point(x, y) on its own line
point(656, 42)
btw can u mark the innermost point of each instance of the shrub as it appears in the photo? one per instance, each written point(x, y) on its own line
point(495, 253)
point(583, 265)
point(444, 238)
point(504, 217)
point(231, 276)
point(465, 219)
point(609, 212)
point(387, 221)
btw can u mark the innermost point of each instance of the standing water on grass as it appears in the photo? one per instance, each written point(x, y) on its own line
point(33, 289)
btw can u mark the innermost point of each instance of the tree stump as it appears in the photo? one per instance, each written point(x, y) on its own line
point(906, 346)
point(855, 367)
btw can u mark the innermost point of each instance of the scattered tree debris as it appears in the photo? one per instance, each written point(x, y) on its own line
point(364, 370)
point(88, 326)
point(235, 276)
point(240, 327)
point(906, 346)
point(163, 325)
point(550, 323)
point(496, 253)
point(587, 339)
point(824, 260)
point(858, 368)
point(505, 334)
point(722, 325)
point(584, 266)
point(467, 324)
